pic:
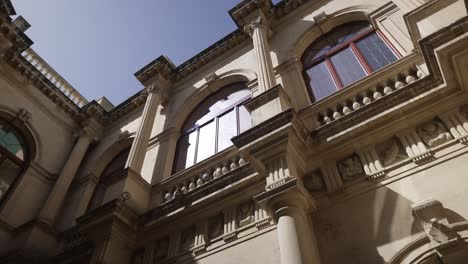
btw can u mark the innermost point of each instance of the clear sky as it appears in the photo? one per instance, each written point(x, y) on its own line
point(97, 45)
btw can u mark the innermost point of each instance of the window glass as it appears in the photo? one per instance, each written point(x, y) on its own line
point(9, 141)
point(375, 51)
point(116, 164)
point(321, 81)
point(212, 124)
point(206, 141)
point(227, 126)
point(348, 67)
point(186, 150)
point(343, 56)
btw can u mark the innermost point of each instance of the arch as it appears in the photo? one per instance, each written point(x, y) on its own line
point(109, 154)
point(418, 250)
point(344, 16)
point(226, 78)
point(27, 131)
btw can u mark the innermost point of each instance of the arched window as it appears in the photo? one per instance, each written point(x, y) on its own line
point(13, 156)
point(116, 165)
point(212, 124)
point(343, 56)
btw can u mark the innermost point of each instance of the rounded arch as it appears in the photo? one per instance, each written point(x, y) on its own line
point(109, 154)
point(420, 250)
point(344, 16)
point(193, 100)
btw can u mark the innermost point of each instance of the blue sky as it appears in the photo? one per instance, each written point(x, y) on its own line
point(97, 45)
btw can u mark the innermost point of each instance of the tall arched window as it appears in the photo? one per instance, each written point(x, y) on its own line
point(116, 165)
point(13, 156)
point(343, 56)
point(212, 124)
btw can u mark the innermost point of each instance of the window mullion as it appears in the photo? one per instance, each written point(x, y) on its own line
point(196, 146)
point(333, 73)
point(388, 43)
point(360, 58)
point(216, 133)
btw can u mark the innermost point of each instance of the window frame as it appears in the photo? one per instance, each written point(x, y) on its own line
point(23, 164)
point(196, 128)
point(351, 44)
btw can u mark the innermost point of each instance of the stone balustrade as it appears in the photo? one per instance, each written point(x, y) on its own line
point(32, 57)
point(192, 179)
point(365, 92)
point(367, 96)
point(72, 238)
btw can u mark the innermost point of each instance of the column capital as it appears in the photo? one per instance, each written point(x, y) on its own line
point(258, 23)
point(91, 128)
point(160, 87)
point(288, 199)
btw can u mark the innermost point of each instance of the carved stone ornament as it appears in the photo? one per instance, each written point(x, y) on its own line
point(23, 115)
point(257, 23)
point(434, 133)
point(245, 214)
point(161, 249)
point(314, 181)
point(350, 168)
point(390, 152)
point(216, 226)
point(431, 216)
point(187, 240)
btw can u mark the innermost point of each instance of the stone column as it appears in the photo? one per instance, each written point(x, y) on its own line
point(289, 204)
point(288, 237)
point(258, 30)
point(140, 143)
point(57, 196)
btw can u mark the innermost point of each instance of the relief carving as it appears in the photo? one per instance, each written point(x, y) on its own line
point(161, 249)
point(350, 168)
point(187, 240)
point(245, 214)
point(216, 226)
point(440, 232)
point(434, 133)
point(390, 152)
point(314, 181)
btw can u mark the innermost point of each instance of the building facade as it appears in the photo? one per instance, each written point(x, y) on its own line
point(317, 132)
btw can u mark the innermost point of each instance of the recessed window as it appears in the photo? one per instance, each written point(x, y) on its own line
point(343, 56)
point(12, 156)
point(210, 127)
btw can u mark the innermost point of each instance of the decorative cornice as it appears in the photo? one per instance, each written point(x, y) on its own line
point(241, 13)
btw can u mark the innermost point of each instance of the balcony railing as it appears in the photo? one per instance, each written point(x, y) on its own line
point(67, 89)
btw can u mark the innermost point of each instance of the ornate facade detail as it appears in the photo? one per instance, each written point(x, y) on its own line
point(187, 238)
point(278, 172)
point(371, 163)
point(245, 214)
point(314, 181)
point(433, 133)
point(216, 226)
point(350, 168)
point(259, 23)
point(431, 216)
point(390, 152)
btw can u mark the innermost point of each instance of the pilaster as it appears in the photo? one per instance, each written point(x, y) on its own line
point(54, 202)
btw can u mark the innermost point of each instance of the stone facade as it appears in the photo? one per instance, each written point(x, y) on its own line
point(373, 173)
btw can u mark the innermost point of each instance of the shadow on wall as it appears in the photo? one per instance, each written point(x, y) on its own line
point(349, 231)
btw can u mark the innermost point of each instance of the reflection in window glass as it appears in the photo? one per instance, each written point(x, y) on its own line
point(9, 141)
point(210, 127)
point(343, 56)
point(227, 129)
point(206, 141)
point(348, 67)
point(376, 53)
point(321, 81)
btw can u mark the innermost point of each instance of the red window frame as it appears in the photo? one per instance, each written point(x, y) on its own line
point(351, 43)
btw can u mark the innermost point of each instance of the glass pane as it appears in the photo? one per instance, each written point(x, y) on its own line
point(116, 164)
point(348, 67)
point(227, 127)
point(9, 141)
point(334, 38)
point(8, 172)
point(186, 151)
point(216, 104)
point(206, 141)
point(321, 81)
point(245, 120)
point(375, 51)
